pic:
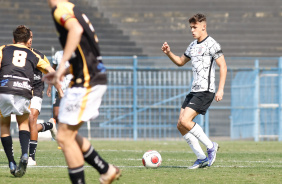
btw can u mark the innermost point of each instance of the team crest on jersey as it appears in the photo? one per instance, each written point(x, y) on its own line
point(201, 50)
point(65, 17)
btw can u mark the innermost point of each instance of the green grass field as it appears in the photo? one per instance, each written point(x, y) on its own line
point(237, 162)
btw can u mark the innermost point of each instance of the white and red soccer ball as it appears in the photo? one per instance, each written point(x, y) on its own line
point(152, 159)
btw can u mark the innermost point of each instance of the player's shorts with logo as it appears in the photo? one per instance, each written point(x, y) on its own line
point(199, 101)
point(81, 104)
point(13, 104)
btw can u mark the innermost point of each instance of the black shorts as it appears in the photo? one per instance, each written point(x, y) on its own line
point(57, 100)
point(38, 89)
point(198, 101)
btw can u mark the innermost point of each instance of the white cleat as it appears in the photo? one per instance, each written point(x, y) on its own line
point(31, 162)
point(54, 129)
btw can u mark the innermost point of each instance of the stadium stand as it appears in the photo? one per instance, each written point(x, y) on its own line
point(36, 15)
point(133, 27)
point(244, 28)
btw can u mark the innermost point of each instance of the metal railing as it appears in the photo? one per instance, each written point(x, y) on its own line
point(145, 94)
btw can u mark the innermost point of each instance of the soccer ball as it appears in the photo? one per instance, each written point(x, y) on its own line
point(152, 159)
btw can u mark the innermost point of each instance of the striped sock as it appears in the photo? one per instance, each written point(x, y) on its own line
point(76, 175)
point(32, 148)
point(93, 158)
point(46, 126)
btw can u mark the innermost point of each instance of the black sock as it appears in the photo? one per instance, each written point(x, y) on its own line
point(32, 148)
point(46, 126)
point(77, 175)
point(93, 158)
point(7, 143)
point(24, 137)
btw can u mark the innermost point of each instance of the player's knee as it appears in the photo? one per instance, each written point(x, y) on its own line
point(179, 125)
point(33, 119)
point(64, 139)
point(184, 122)
point(60, 139)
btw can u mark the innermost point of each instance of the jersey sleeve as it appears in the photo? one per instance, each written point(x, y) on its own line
point(64, 12)
point(43, 61)
point(41, 65)
point(216, 51)
point(46, 60)
point(187, 52)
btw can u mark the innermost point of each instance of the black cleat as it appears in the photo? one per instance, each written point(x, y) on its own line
point(20, 171)
point(13, 167)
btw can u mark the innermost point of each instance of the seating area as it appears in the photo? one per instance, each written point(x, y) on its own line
point(132, 27)
point(37, 16)
point(243, 28)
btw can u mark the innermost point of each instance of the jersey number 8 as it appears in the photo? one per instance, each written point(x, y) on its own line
point(19, 58)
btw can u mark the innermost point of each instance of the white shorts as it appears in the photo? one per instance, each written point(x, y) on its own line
point(80, 104)
point(36, 103)
point(13, 104)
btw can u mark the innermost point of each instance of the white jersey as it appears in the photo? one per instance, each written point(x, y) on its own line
point(56, 60)
point(203, 56)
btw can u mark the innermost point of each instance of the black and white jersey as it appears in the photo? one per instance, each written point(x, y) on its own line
point(86, 65)
point(17, 69)
point(203, 55)
point(38, 84)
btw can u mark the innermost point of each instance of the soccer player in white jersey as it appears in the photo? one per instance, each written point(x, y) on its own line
point(203, 52)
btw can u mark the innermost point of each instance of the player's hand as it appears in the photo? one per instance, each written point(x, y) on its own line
point(49, 89)
point(52, 79)
point(165, 48)
point(49, 78)
point(61, 93)
point(219, 95)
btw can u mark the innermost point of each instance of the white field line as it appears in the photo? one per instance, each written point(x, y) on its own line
point(229, 166)
point(143, 151)
point(189, 160)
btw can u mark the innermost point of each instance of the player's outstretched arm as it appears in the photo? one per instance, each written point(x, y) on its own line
point(75, 31)
point(222, 77)
point(179, 61)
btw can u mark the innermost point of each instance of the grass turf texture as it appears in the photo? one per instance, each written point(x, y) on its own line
point(237, 162)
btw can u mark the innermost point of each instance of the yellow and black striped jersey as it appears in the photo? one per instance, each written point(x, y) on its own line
point(86, 65)
point(17, 69)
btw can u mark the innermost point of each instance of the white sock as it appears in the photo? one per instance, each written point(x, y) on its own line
point(198, 132)
point(194, 145)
